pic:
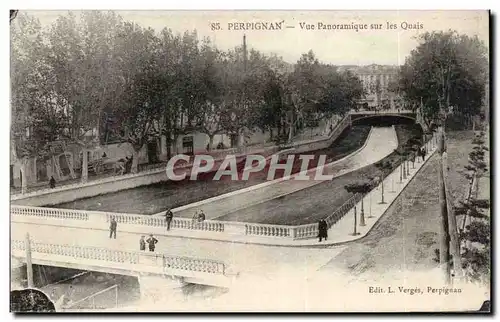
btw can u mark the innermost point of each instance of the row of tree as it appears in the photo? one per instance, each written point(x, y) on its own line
point(86, 79)
point(446, 72)
point(447, 76)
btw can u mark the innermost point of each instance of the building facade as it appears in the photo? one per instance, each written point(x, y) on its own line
point(378, 81)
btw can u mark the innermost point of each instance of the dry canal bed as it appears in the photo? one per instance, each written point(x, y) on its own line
point(302, 207)
point(155, 198)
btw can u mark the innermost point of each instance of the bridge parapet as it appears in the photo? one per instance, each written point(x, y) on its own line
point(382, 112)
point(49, 212)
point(267, 230)
point(167, 262)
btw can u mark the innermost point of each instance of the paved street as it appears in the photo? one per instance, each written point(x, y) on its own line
point(405, 238)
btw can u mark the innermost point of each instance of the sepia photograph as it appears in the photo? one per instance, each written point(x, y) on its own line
point(231, 161)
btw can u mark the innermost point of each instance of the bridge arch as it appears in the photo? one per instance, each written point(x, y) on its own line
point(382, 119)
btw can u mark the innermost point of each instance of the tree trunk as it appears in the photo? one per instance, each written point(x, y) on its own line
point(163, 145)
point(452, 222)
point(382, 186)
point(401, 173)
point(210, 142)
point(135, 161)
point(176, 145)
point(444, 240)
point(290, 131)
point(469, 195)
point(85, 165)
point(362, 215)
point(404, 170)
point(370, 201)
point(408, 167)
point(24, 180)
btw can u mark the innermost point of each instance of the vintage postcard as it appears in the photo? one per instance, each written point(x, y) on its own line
point(250, 161)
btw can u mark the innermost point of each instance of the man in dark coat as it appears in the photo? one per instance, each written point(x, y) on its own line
point(112, 228)
point(169, 215)
point(52, 182)
point(128, 164)
point(322, 230)
point(152, 242)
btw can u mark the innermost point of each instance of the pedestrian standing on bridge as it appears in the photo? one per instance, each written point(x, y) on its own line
point(152, 242)
point(169, 215)
point(112, 228)
point(142, 243)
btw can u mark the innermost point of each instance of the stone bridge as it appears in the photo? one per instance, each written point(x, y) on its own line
point(158, 274)
point(387, 117)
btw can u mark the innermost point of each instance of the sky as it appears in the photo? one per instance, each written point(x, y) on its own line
point(385, 46)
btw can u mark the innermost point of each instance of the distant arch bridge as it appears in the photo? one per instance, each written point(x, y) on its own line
point(388, 117)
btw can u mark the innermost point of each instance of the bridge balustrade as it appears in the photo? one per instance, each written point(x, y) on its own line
point(52, 213)
point(128, 257)
point(268, 230)
point(342, 210)
point(306, 231)
point(311, 230)
point(182, 223)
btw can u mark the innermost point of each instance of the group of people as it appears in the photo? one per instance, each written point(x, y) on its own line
point(151, 241)
point(199, 216)
point(421, 153)
point(124, 166)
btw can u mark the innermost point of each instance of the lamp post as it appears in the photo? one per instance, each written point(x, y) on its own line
point(29, 264)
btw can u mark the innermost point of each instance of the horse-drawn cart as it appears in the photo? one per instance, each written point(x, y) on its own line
point(97, 161)
point(98, 166)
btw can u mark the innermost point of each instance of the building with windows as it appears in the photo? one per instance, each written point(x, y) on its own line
point(378, 83)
